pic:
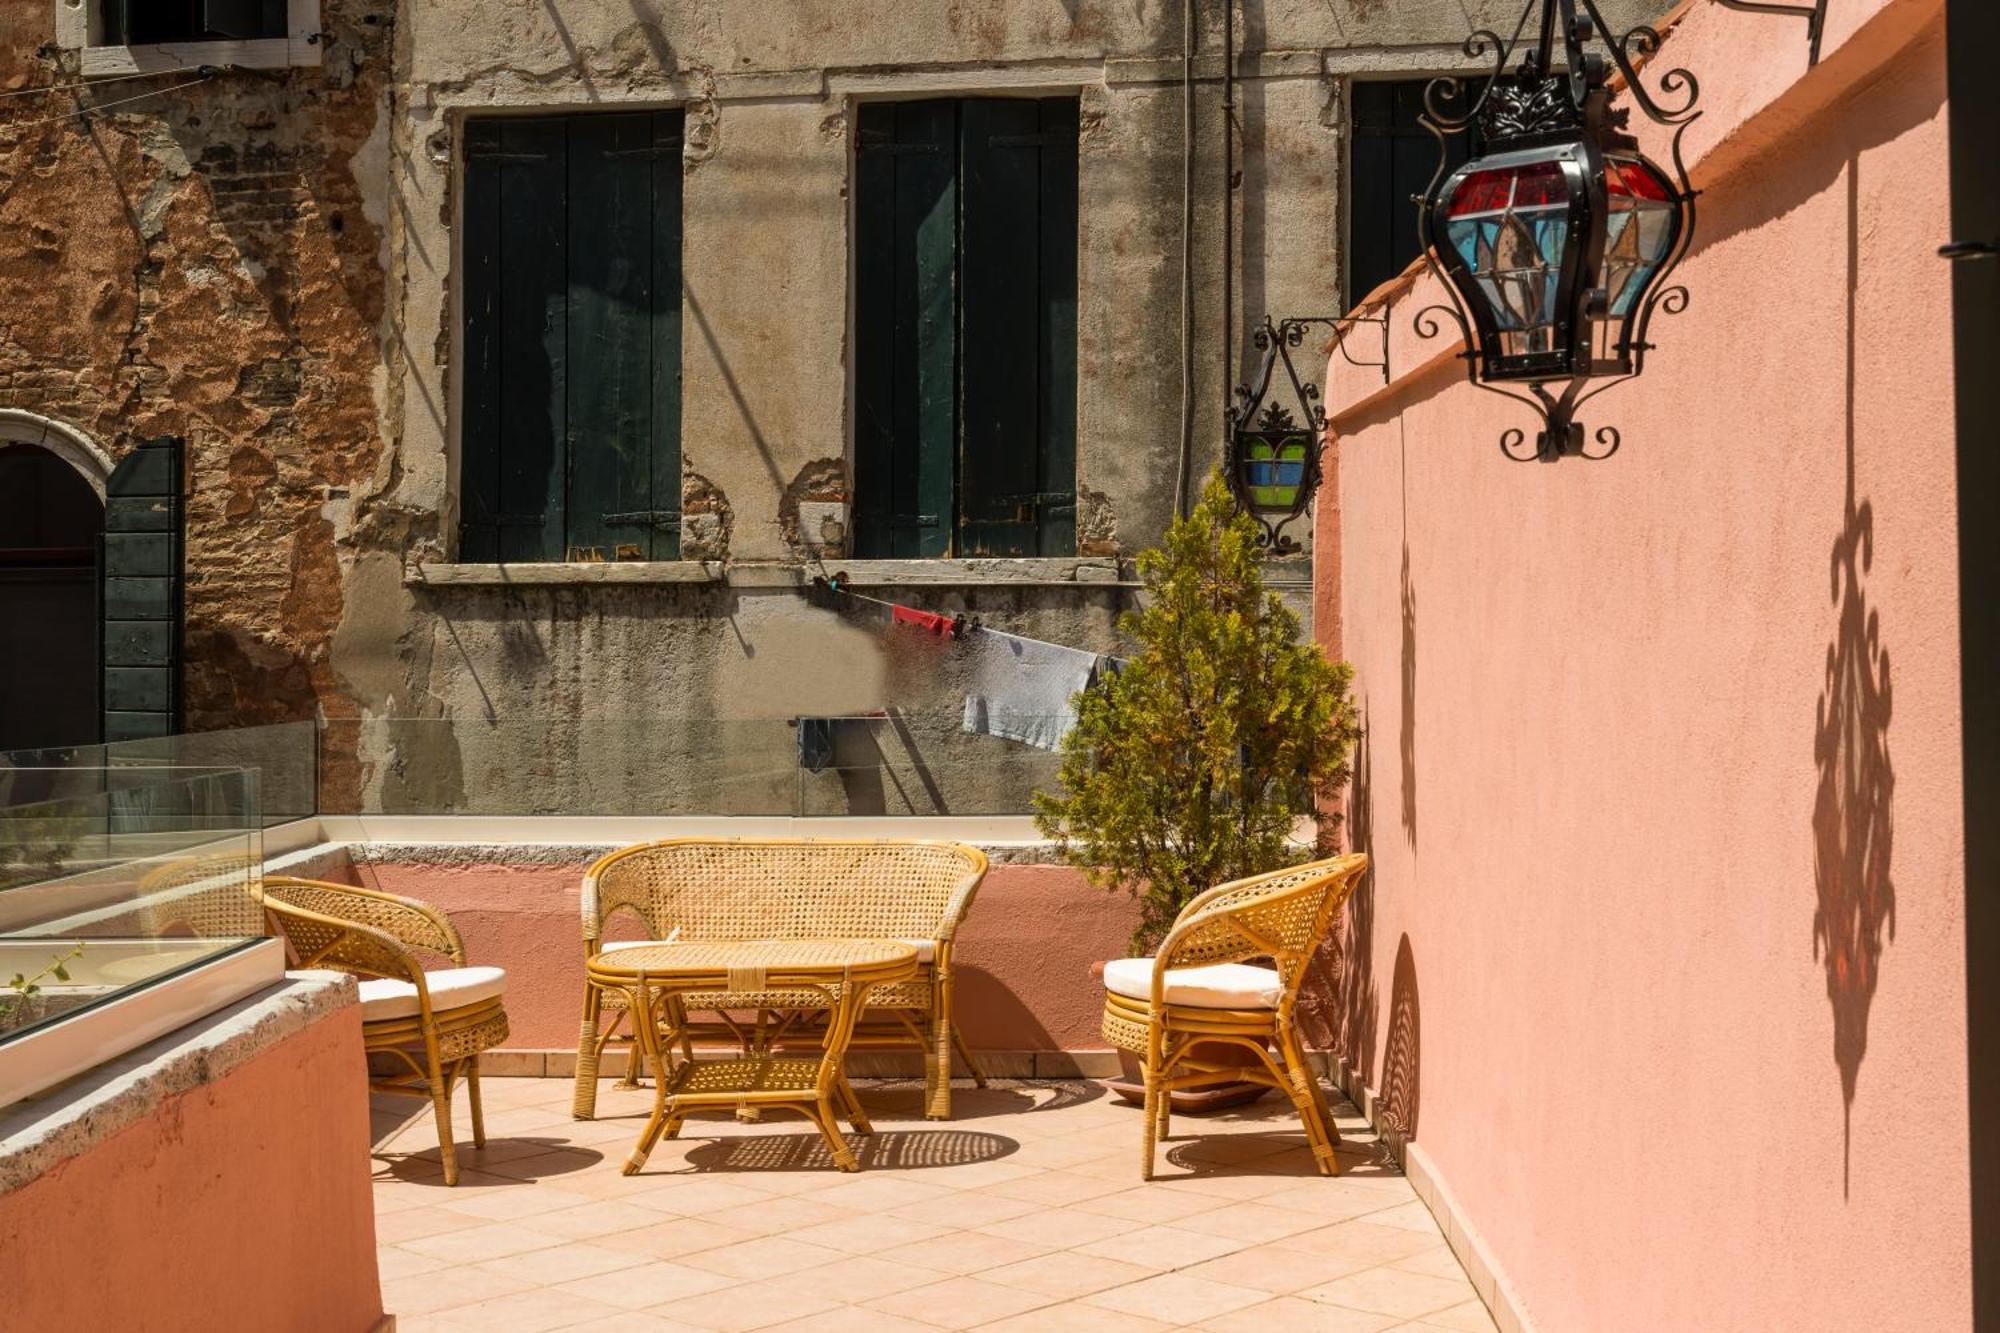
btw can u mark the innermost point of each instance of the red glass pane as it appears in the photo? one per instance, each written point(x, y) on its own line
point(1540, 184)
point(1481, 192)
point(1638, 179)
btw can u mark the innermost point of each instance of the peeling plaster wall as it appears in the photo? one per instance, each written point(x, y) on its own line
point(263, 263)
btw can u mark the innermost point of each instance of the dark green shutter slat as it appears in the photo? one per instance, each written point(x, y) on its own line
point(906, 355)
point(534, 355)
point(1000, 317)
point(667, 130)
point(141, 593)
point(1055, 517)
point(609, 417)
point(479, 431)
point(244, 19)
point(1392, 159)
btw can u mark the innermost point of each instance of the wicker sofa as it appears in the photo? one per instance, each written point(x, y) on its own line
point(800, 888)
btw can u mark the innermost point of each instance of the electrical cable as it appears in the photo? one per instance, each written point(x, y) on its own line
point(93, 83)
point(86, 112)
point(1182, 477)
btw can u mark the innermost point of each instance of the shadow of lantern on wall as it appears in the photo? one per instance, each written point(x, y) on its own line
point(1556, 242)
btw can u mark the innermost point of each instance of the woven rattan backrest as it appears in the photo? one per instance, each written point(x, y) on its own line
point(1282, 915)
point(319, 937)
point(209, 897)
point(719, 889)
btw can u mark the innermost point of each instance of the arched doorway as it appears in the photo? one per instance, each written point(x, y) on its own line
point(51, 519)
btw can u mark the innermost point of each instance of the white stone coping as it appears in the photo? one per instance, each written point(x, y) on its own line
point(46, 1130)
point(1026, 572)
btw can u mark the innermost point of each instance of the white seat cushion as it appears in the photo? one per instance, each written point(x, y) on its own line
point(1216, 986)
point(450, 988)
point(926, 949)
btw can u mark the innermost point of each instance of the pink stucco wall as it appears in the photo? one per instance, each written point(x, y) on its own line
point(240, 1204)
point(1662, 957)
point(1023, 957)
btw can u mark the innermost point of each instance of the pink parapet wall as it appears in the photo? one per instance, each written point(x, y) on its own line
point(1023, 957)
point(240, 1204)
point(1661, 964)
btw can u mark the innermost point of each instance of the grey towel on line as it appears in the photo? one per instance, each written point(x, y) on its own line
point(1022, 689)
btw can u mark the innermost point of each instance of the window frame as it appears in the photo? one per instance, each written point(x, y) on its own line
point(80, 28)
point(1351, 294)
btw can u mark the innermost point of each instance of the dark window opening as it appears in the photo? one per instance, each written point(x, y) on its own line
point(965, 328)
point(571, 272)
point(50, 523)
point(1392, 161)
point(143, 22)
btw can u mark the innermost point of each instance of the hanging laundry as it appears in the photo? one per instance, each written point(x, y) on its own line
point(931, 621)
point(1024, 689)
point(815, 743)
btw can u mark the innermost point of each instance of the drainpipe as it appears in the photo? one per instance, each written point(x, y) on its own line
point(1228, 200)
point(1181, 475)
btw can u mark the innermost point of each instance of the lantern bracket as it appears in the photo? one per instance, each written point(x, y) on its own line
point(1560, 91)
point(1814, 14)
point(1255, 418)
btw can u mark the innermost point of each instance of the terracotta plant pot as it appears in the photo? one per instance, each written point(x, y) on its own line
point(1131, 1083)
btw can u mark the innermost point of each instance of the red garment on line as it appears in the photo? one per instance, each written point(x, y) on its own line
point(926, 620)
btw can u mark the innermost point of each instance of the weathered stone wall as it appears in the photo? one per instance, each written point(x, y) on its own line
point(263, 263)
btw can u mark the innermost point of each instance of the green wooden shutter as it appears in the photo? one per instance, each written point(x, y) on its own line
point(624, 284)
point(1017, 264)
point(141, 592)
point(516, 251)
point(906, 352)
point(571, 266)
point(246, 19)
point(1392, 160)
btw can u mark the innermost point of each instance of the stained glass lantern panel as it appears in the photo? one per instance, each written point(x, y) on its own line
point(1510, 225)
point(1273, 468)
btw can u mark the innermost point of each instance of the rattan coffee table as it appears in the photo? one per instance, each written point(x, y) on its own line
point(652, 976)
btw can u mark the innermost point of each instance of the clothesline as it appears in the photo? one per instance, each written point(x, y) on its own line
point(1019, 688)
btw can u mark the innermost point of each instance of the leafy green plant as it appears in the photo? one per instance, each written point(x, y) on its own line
point(1192, 766)
point(21, 985)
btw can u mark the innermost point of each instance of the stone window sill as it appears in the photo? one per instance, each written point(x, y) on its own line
point(1087, 572)
point(266, 53)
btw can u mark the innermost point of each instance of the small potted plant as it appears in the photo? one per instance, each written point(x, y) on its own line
point(1196, 762)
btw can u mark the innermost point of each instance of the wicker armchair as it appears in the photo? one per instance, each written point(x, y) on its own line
point(1199, 991)
point(435, 1023)
point(209, 896)
point(802, 888)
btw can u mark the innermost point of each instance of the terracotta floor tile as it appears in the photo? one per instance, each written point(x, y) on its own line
point(1065, 1227)
point(960, 1302)
point(1466, 1317)
point(1256, 1222)
point(765, 1257)
point(414, 1223)
point(1279, 1272)
point(530, 1311)
point(564, 1263)
point(1359, 1239)
point(869, 1233)
point(601, 1217)
point(1438, 1261)
point(674, 1238)
point(1413, 1216)
point(1162, 1247)
point(744, 1306)
point(488, 1240)
point(851, 1319)
point(855, 1279)
point(1077, 1317)
point(428, 1293)
point(647, 1284)
point(1065, 1276)
point(1053, 1189)
point(1394, 1291)
point(393, 1261)
point(968, 1208)
point(964, 1252)
point(1141, 1204)
point(1177, 1298)
point(1293, 1314)
point(519, 1201)
point(697, 1196)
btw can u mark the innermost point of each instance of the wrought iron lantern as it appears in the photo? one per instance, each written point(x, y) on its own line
point(1273, 463)
point(1556, 241)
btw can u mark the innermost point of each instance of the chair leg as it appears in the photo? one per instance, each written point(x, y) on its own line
point(965, 1054)
point(855, 1115)
point(1305, 1095)
point(472, 1095)
point(937, 1068)
point(1155, 1069)
point(441, 1108)
point(829, 1128)
point(583, 1106)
